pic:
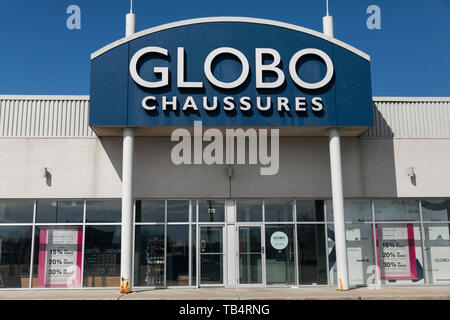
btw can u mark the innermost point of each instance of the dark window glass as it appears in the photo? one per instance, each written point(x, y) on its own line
point(194, 256)
point(177, 255)
point(150, 210)
point(312, 254)
point(102, 256)
point(15, 250)
point(57, 256)
point(249, 210)
point(436, 210)
point(211, 211)
point(59, 211)
point(280, 266)
point(103, 211)
point(310, 210)
point(278, 210)
point(149, 256)
point(16, 211)
point(177, 210)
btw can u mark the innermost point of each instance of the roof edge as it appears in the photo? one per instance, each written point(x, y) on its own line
point(410, 99)
point(227, 19)
point(43, 97)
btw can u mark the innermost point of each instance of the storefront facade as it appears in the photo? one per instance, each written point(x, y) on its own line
point(64, 176)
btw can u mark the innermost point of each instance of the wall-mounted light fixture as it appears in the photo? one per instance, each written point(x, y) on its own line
point(44, 172)
point(411, 172)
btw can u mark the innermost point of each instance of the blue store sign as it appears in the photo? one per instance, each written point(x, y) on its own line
point(230, 72)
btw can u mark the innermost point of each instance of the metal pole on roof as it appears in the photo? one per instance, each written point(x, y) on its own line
point(130, 26)
point(328, 28)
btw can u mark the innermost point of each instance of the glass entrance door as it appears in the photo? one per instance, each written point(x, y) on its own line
point(211, 255)
point(251, 255)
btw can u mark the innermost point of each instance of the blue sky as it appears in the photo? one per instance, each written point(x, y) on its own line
point(39, 55)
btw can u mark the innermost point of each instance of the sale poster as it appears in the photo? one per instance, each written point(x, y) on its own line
point(60, 257)
point(396, 251)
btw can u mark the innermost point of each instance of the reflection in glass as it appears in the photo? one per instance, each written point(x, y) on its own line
point(396, 210)
point(15, 249)
point(312, 254)
point(278, 210)
point(436, 210)
point(150, 210)
point(102, 256)
point(177, 255)
point(250, 255)
point(177, 210)
point(149, 256)
point(437, 252)
point(310, 210)
point(59, 211)
point(355, 210)
point(280, 266)
point(16, 211)
point(103, 211)
point(211, 210)
point(249, 210)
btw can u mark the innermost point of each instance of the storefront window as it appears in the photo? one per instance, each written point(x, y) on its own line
point(103, 211)
point(310, 210)
point(16, 211)
point(102, 256)
point(360, 253)
point(437, 252)
point(57, 256)
point(312, 263)
point(280, 265)
point(396, 210)
point(355, 210)
point(399, 253)
point(59, 211)
point(177, 255)
point(278, 210)
point(150, 210)
point(211, 211)
point(248, 210)
point(436, 210)
point(177, 210)
point(149, 256)
point(194, 256)
point(15, 250)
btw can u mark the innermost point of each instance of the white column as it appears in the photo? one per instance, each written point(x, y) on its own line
point(126, 255)
point(338, 209)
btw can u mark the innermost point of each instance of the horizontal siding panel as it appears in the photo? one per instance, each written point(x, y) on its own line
point(410, 118)
point(59, 116)
point(44, 117)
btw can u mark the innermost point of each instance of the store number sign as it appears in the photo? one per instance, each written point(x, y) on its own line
point(396, 251)
point(60, 257)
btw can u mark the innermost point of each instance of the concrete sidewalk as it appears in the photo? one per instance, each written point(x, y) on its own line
point(321, 293)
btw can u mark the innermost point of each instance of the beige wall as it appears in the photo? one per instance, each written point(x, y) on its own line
point(91, 168)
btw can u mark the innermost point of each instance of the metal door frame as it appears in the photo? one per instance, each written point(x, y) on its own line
point(263, 254)
point(224, 255)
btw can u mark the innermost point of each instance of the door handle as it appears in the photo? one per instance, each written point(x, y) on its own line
point(262, 250)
